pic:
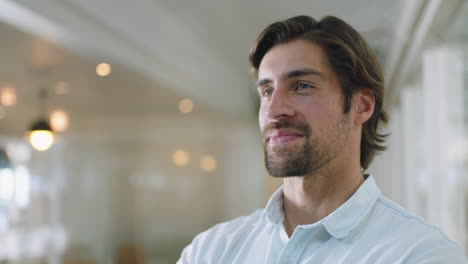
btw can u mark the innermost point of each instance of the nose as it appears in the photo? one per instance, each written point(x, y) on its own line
point(280, 105)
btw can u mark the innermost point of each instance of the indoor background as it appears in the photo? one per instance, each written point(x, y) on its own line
point(155, 120)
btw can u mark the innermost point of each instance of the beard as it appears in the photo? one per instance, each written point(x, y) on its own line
point(309, 157)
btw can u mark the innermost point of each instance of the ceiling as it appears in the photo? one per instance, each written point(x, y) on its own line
point(161, 51)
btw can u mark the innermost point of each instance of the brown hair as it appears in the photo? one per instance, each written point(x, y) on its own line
point(349, 56)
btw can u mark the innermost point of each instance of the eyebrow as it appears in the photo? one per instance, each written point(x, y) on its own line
point(292, 74)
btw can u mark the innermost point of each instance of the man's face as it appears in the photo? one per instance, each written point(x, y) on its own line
point(301, 114)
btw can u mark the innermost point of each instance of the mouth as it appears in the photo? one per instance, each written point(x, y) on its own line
point(280, 137)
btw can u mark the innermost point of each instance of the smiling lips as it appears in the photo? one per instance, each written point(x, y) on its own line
point(283, 136)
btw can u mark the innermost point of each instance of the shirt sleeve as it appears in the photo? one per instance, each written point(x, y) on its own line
point(202, 249)
point(190, 253)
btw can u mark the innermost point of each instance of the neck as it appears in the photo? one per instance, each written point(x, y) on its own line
point(310, 198)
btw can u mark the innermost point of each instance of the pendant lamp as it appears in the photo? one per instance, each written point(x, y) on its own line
point(40, 134)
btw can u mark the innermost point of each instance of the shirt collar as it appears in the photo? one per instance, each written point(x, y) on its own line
point(274, 208)
point(341, 221)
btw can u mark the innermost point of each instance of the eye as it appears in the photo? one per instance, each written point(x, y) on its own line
point(303, 86)
point(266, 92)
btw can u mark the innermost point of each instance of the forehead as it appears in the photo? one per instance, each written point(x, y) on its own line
point(292, 55)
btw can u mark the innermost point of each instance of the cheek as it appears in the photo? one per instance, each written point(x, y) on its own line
point(321, 116)
point(261, 118)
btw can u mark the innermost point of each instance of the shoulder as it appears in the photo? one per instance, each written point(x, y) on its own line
point(213, 242)
point(399, 218)
point(419, 241)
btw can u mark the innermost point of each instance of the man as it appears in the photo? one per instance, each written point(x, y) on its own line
point(321, 91)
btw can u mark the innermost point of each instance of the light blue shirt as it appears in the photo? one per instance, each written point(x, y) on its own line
point(367, 228)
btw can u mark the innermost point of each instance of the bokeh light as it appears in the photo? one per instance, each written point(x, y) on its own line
point(186, 106)
point(208, 163)
point(59, 120)
point(41, 139)
point(7, 96)
point(181, 158)
point(103, 69)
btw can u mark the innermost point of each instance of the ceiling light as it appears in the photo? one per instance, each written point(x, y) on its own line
point(208, 163)
point(8, 96)
point(181, 158)
point(186, 106)
point(41, 135)
point(59, 120)
point(103, 69)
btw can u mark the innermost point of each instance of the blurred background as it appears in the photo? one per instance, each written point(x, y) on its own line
point(155, 120)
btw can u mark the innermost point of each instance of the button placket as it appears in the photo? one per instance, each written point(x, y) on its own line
point(294, 248)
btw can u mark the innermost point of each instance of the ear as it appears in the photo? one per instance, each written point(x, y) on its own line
point(364, 102)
